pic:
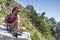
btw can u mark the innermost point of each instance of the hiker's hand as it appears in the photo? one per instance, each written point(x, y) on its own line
point(22, 29)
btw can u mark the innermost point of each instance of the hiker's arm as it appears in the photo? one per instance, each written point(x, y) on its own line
point(18, 20)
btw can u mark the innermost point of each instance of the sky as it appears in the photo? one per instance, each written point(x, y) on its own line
point(51, 7)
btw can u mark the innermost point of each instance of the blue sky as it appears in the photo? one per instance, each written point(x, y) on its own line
point(51, 7)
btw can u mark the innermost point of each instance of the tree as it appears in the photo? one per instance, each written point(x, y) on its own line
point(3, 1)
point(42, 15)
point(30, 7)
point(58, 23)
point(52, 19)
point(8, 2)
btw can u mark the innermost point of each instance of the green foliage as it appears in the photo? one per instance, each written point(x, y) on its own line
point(42, 15)
point(40, 23)
point(53, 20)
point(3, 0)
point(30, 7)
point(3, 12)
point(58, 23)
point(1, 22)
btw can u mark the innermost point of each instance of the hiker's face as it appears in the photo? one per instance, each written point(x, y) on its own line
point(15, 11)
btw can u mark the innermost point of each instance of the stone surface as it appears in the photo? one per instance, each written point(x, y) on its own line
point(5, 35)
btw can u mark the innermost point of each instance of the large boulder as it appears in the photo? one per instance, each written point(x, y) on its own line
point(5, 35)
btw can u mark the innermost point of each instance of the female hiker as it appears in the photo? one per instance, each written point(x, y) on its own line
point(12, 20)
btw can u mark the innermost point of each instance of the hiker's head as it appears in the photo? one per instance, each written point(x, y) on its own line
point(16, 10)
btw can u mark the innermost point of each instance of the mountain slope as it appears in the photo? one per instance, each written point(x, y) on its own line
point(35, 34)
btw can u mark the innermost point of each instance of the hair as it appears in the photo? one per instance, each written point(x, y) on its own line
point(15, 8)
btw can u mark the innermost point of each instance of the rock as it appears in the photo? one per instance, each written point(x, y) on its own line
point(5, 35)
point(2, 18)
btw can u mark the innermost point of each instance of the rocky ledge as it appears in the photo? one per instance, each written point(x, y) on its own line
point(5, 35)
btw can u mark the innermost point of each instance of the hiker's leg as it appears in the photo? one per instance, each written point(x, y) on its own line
point(7, 27)
point(15, 24)
point(10, 28)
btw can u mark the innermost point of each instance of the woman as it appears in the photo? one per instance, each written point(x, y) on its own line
point(13, 19)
